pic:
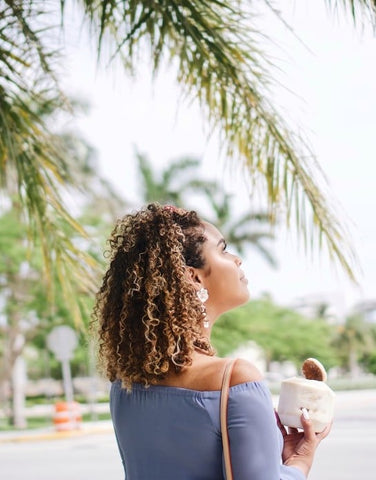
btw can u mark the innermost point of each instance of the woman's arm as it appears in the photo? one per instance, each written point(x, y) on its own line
point(255, 442)
point(257, 448)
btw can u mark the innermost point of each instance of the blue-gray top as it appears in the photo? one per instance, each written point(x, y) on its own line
point(170, 433)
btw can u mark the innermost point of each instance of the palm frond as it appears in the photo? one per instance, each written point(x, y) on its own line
point(178, 167)
point(265, 253)
point(34, 167)
point(255, 240)
point(149, 183)
point(215, 47)
point(362, 11)
point(251, 217)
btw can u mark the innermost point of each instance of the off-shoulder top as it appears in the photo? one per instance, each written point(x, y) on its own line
point(170, 433)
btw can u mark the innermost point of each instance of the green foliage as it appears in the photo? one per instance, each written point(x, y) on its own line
point(282, 333)
point(215, 48)
point(368, 360)
point(46, 365)
point(171, 185)
point(355, 340)
point(27, 307)
point(35, 294)
point(35, 165)
point(13, 248)
point(176, 183)
point(250, 229)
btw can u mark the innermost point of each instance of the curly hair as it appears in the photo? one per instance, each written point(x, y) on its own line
point(148, 312)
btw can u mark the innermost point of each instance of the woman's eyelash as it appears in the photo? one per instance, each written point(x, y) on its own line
point(225, 246)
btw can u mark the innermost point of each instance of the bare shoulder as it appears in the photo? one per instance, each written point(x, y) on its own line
point(243, 372)
point(205, 373)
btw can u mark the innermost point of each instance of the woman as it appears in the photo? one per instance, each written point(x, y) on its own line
point(170, 278)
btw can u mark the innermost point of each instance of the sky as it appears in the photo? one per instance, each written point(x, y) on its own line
point(331, 73)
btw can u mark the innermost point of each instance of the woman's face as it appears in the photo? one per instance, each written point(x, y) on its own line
point(221, 275)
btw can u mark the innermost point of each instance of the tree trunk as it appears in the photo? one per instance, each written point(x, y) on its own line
point(10, 381)
point(353, 363)
point(18, 390)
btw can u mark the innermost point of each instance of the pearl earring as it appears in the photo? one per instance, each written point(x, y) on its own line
point(203, 296)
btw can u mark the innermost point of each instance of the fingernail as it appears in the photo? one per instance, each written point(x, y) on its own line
point(305, 413)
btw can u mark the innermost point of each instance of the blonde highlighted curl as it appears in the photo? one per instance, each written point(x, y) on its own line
point(147, 309)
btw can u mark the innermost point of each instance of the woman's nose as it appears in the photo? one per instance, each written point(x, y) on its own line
point(238, 261)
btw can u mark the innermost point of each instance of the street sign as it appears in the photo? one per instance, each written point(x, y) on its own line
point(62, 341)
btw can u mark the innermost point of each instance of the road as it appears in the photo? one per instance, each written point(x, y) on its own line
point(349, 453)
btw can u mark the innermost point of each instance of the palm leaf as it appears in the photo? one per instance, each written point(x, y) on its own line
point(216, 53)
point(219, 62)
point(149, 183)
point(33, 164)
point(179, 167)
point(253, 238)
point(361, 10)
point(245, 220)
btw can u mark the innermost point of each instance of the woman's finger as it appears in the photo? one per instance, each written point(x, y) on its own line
point(293, 430)
point(324, 433)
point(309, 432)
point(280, 426)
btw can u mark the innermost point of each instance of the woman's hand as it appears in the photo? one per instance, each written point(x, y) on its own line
point(299, 447)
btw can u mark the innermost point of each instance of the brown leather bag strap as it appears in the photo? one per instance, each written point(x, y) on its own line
point(223, 413)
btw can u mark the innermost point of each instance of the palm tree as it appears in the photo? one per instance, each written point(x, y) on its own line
point(173, 183)
point(243, 231)
point(26, 302)
point(70, 163)
point(353, 340)
point(219, 63)
point(179, 178)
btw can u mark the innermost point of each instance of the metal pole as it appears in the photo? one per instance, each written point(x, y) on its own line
point(68, 389)
point(67, 380)
point(93, 390)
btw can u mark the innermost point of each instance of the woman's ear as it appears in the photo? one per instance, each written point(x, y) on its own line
point(194, 276)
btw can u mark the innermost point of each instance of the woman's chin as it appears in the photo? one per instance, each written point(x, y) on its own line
point(243, 299)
